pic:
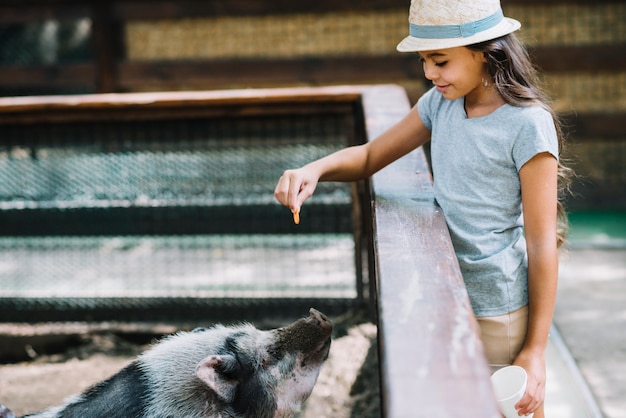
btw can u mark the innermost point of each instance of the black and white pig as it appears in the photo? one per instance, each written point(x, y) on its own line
point(226, 372)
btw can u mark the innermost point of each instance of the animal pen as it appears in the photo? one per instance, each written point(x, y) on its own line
point(115, 207)
point(160, 206)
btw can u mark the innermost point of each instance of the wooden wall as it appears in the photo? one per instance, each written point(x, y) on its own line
point(155, 45)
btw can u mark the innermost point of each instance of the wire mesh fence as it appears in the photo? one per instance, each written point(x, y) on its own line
point(205, 266)
point(209, 161)
point(134, 210)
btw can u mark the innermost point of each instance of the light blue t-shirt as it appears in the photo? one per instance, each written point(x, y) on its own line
point(476, 163)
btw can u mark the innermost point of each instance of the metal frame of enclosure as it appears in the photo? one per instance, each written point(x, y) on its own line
point(88, 176)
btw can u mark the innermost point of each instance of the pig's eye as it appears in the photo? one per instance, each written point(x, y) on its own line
point(268, 360)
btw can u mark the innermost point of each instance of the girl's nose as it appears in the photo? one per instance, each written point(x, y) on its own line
point(430, 71)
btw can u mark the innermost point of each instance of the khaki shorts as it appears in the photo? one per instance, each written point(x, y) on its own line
point(503, 336)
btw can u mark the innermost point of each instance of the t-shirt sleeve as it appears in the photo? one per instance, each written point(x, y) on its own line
point(426, 106)
point(537, 135)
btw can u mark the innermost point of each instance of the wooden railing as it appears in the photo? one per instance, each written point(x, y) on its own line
point(431, 358)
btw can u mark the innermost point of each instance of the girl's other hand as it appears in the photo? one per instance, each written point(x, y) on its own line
point(536, 385)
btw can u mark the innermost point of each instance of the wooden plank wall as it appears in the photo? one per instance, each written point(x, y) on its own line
point(579, 45)
point(112, 71)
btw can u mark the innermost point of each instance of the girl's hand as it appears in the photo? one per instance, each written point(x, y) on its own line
point(535, 367)
point(294, 187)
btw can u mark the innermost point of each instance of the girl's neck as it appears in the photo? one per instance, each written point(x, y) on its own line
point(482, 101)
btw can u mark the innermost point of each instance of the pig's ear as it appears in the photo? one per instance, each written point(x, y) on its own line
point(218, 372)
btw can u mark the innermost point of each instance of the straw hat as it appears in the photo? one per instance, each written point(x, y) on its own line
point(440, 24)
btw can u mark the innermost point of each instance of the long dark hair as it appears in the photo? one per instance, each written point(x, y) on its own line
point(516, 79)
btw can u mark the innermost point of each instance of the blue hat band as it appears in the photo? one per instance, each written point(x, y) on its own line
point(455, 31)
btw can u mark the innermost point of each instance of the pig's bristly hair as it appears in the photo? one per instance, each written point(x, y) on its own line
point(252, 398)
point(267, 374)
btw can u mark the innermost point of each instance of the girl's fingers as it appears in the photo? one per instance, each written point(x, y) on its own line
point(283, 190)
point(295, 185)
point(293, 188)
point(286, 193)
point(529, 403)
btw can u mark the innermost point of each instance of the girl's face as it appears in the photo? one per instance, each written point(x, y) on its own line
point(457, 72)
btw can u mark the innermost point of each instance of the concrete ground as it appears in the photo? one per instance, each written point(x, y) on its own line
point(587, 354)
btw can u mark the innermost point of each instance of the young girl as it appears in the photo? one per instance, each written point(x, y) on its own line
point(495, 147)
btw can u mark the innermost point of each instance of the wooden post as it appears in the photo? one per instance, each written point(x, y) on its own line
point(107, 46)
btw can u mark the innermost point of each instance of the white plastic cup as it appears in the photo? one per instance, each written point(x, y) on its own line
point(509, 385)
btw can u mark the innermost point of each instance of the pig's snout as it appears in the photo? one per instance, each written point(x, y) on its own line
point(321, 319)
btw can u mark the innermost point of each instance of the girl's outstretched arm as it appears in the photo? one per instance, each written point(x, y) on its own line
point(352, 163)
point(539, 196)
